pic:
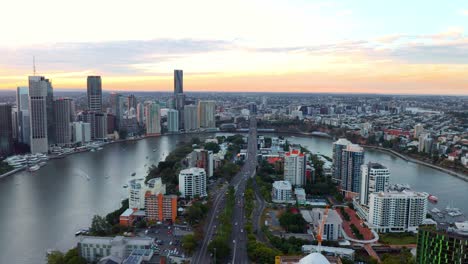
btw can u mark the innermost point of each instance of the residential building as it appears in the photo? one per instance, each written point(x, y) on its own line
point(178, 81)
point(374, 178)
point(201, 158)
point(63, 128)
point(191, 118)
point(50, 114)
point(172, 121)
point(153, 119)
point(281, 192)
point(338, 147)
point(192, 182)
point(38, 93)
point(6, 130)
point(137, 191)
point(94, 92)
point(140, 113)
point(396, 211)
point(295, 164)
point(160, 207)
point(442, 247)
point(131, 103)
point(332, 227)
point(352, 157)
point(22, 103)
point(206, 114)
point(117, 106)
point(100, 125)
point(418, 129)
point(94, 248)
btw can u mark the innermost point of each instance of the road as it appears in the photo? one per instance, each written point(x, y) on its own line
point(239, 242)
point(239, 239)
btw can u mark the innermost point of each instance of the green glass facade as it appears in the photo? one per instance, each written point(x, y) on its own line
point(439, 247)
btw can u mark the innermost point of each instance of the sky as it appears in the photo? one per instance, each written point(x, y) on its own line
point(348, 46)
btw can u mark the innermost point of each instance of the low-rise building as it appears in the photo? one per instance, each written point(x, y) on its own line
point(95, 248)
point(336, 251)
point(332, 227)
point(159, 207)
point(281, 192)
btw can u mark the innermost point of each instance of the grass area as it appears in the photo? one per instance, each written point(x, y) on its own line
point(398, 238)
point(5, 167)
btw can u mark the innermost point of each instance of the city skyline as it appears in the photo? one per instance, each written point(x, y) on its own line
point(365, 47)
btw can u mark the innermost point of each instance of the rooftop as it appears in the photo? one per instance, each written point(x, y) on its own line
point(282, 185)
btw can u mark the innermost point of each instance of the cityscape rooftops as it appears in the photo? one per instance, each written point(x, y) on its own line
point(403, 193)
point(282, 185)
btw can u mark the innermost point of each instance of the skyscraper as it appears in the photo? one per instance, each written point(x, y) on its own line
point(38, 87)
point(50, 114)
point(206, 114)
point(94, 93)
point(6, 130)
point(295, 167)
point(100, 125)
point(140, 113)
point(117, 106)
point(172, 120)
point(22, 102)
point(374, 178)
point(418, 129)
point(352, 157)
point(153, 119)
point(178, 81)
point(338, 147)
point(438, 246)
point(192, 182)
point(63, 129)
point(191, 118)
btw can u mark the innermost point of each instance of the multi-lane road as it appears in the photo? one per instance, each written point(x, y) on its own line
point(239, 242)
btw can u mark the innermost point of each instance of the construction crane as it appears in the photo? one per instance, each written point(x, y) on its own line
point(320, 229)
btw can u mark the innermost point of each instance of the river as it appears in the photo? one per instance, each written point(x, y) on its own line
point(43, 210)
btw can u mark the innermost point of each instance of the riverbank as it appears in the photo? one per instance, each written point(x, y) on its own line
point(409, 159)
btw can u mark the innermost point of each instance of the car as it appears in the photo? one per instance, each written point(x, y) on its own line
point(236, 223)
point(242, 230)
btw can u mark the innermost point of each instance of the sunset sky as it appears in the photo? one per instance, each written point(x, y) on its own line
point(364, 46)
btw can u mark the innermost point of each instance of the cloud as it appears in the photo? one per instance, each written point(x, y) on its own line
point(389, 38)
point(111, 57)
point(463, 12)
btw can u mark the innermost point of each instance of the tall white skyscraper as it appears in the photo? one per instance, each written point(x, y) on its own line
point(191, 118)
point(295, 167)
point(172, 120)
point(153, 119)
point(418, 129)
point(38, 87)
point(374, 178)
point(22, 102)
point(206, 114)
point(192, 182)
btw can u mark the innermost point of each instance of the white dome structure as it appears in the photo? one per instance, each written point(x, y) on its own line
point(314, 258)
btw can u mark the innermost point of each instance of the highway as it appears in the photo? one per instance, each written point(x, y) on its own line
point(239, 240)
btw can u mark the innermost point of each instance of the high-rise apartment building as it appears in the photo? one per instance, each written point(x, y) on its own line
point(206, 114)
point(295, 164)
point(201, 158)
point(338, 147)
point(374, 178)
point(50, 114)
point(6, 130)
point(81, 132)
point(94, 93)
point(418, 130)
point(140, 113)
point(22, 102)
point(158, 206)
point(172, 120)
point(153, 119)
point(131, 102)
point(117, 106)
point(441, 247)
point(192, 182)
point(100, 125)
point(38, 114)
point(396, 211)
point(352, 157)
point(281, 191)
point(63, 128)
point(191, 118)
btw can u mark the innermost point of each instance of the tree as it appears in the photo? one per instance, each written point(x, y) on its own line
point(71, 257)
point(212, 146)
point(55, 257)
point(99, 226)
point(222, 248)
point(189, 243)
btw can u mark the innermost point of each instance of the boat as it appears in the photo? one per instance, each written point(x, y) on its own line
point(133, 174)
point(100, 148)
point(125, 185)
point(42, 163)
point(432, 198)
point(440, 215)
point(435, 210)
point(93, 150)
point(34, 168)
point(455, 213)
point(154, 150)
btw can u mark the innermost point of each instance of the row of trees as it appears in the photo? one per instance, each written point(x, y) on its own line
point(71, 257)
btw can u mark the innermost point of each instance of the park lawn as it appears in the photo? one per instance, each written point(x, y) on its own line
point(398, 238)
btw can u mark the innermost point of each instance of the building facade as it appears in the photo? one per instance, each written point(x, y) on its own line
point(352, 157)
point(397, 211)
point(160, 207)
point(22, 103)
point(201, 158)
point(338, 147)
point(191, 118)
point(437, 246)
point(172, 121)
point(94, 92)
point(374, 178)
point(192, 182)
point(38, 86)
